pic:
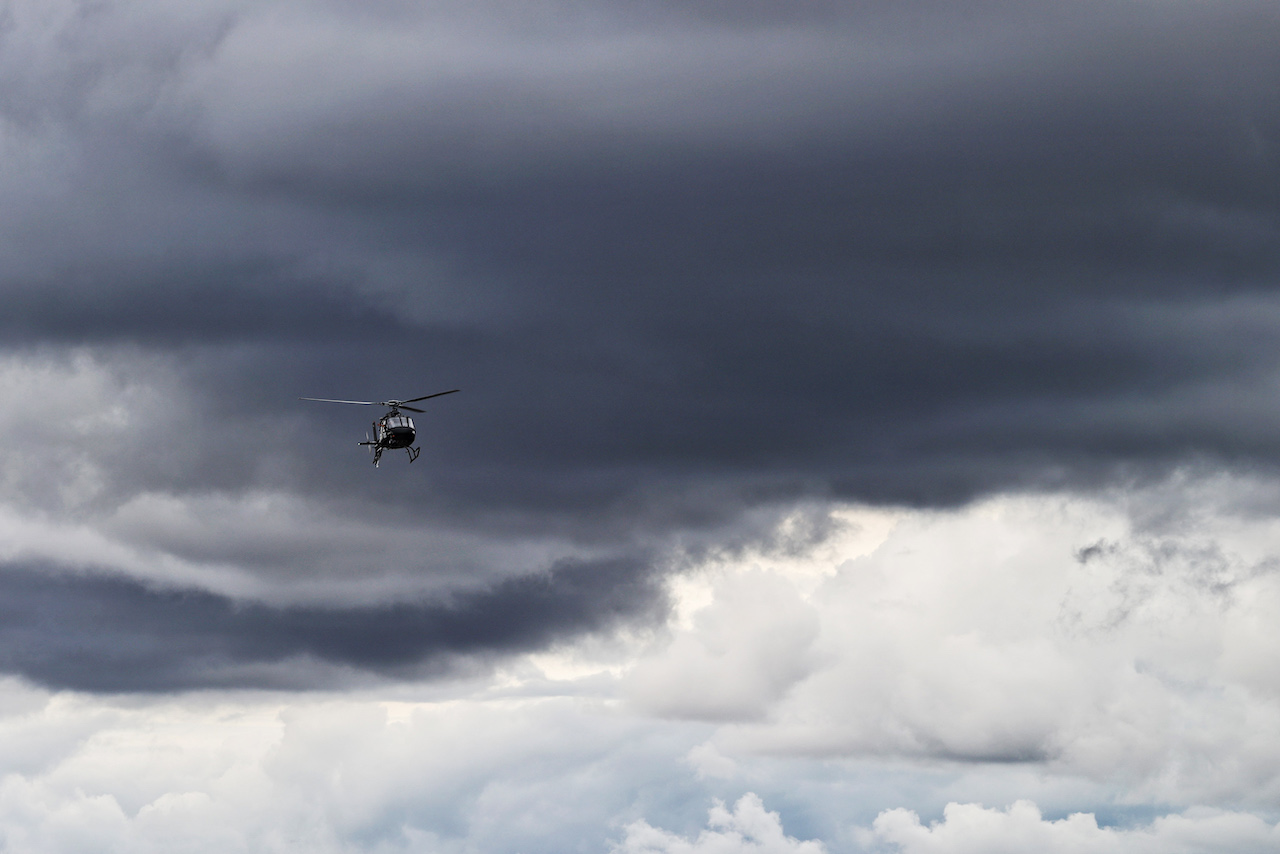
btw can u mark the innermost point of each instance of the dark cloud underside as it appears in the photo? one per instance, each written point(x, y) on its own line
point(111, 634)
point(683, 259)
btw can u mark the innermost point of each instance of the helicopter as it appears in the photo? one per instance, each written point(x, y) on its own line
point(392, 431)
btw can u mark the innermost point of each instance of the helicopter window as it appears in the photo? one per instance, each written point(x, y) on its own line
point(399, 421)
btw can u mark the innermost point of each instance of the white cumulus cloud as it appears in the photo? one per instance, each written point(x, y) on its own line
point(1087, 635)
point(746, 829)
point(974, 829)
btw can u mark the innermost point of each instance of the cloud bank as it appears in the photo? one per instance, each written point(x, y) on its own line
point(691, 266)
point(971, 828)
point(966, 829)
point(1109, 664)
point(867, 406)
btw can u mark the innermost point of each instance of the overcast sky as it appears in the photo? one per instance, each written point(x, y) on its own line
point(869, 436)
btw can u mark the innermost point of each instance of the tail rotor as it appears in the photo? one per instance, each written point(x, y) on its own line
point(373, 448)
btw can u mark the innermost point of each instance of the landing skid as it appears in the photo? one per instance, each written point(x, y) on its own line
point(378, 449)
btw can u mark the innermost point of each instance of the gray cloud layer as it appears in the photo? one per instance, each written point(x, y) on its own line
point(111, 634)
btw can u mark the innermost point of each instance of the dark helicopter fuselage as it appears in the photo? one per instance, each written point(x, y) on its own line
point(395, 431)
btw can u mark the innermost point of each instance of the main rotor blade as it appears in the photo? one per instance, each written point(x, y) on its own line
point(428, 396)
point(331, 400)
point(410, 408)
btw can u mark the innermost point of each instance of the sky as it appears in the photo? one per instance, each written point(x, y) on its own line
point(868, 436)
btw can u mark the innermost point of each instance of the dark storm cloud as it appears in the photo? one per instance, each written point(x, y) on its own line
point(685, 260)
point(158, 307)
point(112, 634)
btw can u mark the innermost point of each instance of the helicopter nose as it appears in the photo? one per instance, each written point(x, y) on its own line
point(400, 437)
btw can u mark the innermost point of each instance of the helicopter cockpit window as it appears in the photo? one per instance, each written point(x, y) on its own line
point(399, 421)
